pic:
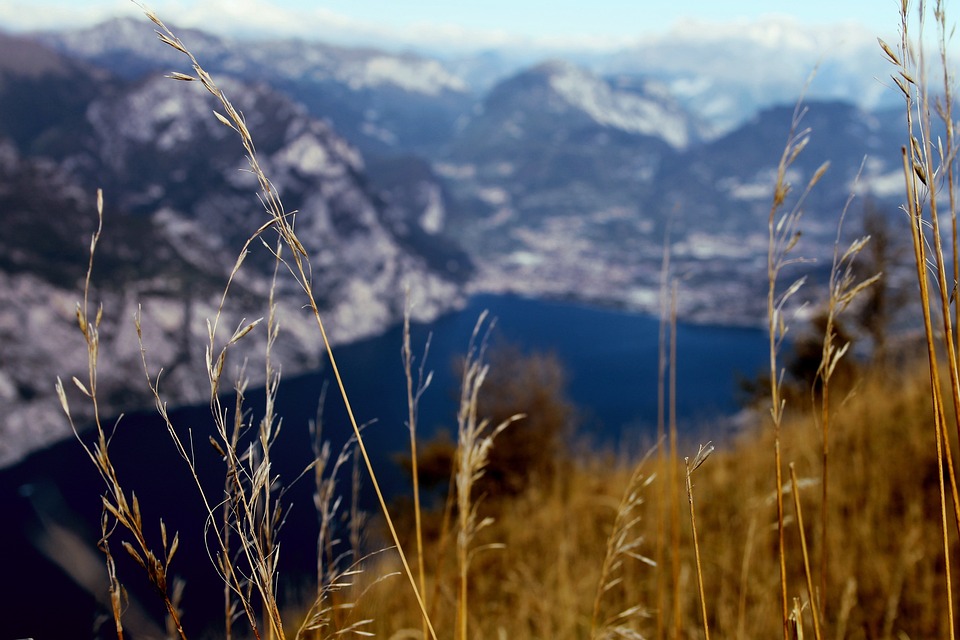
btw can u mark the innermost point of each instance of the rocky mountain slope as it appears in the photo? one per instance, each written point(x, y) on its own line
point(180, 205)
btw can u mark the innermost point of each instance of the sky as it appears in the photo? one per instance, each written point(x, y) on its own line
point(593, 24)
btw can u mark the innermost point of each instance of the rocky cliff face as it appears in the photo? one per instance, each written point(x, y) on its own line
point(180, 204)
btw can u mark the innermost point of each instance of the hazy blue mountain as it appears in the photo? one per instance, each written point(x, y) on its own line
point(382, 102)
point(568, 182)
point(387, 99)
point(725, 73)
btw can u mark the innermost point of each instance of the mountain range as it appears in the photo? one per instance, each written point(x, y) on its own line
point(382, 99)
point(447, 175)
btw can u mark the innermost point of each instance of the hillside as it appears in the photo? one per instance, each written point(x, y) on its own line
point(180, 205)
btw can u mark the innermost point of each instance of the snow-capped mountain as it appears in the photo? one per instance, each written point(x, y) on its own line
point(727, 73)
point(556, 104)
point(638, 110)
point(555, 138)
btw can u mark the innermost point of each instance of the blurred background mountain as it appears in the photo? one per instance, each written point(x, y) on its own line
point(455, 174)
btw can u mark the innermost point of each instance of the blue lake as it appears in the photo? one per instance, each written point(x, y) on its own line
point(610, 356)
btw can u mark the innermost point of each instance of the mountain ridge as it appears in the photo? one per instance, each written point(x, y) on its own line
point(723, 73)
point(180, 205)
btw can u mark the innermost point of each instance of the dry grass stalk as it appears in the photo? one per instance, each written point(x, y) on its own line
point(910, 555)
point(117, 593)
point(843, 290)
point(474, 442)
point(251, 511)
point(703, 453)
point(811, 593)
point(784, 235)
point(847, 603)
point(922, 177)
point(744, 577)
point(297, 264)
point(624, 542)
point(332, 578)
point(667, 458)
point(328, 616)
point(414, 392)
point(665, 489)
point(937, 163)
point(674, 467)
point(125, 511)
point(226, 560)
point(796, 621)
